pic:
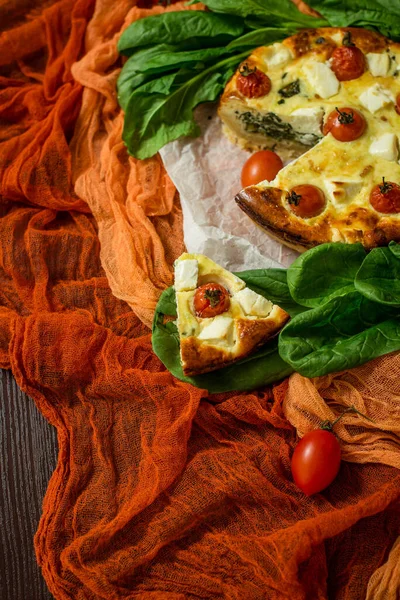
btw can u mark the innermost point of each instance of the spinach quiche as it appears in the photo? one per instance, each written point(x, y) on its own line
point(328, 101)
point(220, 320)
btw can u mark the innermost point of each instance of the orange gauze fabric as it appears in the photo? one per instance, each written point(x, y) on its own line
point(160, 492)
point(134, 202)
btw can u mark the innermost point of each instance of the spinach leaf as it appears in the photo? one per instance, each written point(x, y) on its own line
point(274, 12)
point(260, 37)
point(142, 66)
point(195, 29)
point(394, 249)
point(163, 58)
point(290, 90)
point(148, 84)
point(324, 272)
point(158, 115)
point(379, 276)
point(383, 15)
point(261, 368)
point(343, 333)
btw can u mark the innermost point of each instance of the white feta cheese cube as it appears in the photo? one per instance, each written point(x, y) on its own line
point(218, 330)
point(253, 304)
point(308, 120)
point(186, 274)
point(321, 78)
point(386, 146)
point(376, 97)
point(279, 55)
point(342, 191)
point(378, 63)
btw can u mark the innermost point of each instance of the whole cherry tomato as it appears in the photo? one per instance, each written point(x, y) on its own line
point(345, 124)
point(306, 200)
point(385, 197)
point(211, 299)
point(347, 62)
point(252, 83)
point(316, 461)
point(261, 165)
point(316, 458)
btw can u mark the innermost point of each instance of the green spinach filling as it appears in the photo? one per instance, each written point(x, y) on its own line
point(273, 126)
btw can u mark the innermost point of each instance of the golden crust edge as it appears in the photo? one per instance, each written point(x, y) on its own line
point(219, 357)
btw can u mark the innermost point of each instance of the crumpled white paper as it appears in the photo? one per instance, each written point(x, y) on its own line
point(206, 171)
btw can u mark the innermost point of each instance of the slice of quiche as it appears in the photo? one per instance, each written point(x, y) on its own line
point(220, 320)
point(341, 187)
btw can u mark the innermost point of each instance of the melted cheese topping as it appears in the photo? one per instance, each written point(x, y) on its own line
point(220, 330)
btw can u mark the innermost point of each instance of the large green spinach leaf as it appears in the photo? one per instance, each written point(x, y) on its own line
point(275, 12)
point(343, 333)
point(379, 276)
point(324, 272)
point(382, 15)
point(157, 117)
point(260, 37)
point(188, 29)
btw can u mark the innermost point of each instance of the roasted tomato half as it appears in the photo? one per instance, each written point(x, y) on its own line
point(252, 83)
point(385, 197)
point(345, 124)
point(211, 299)
point(306, 200)
point(347, 62)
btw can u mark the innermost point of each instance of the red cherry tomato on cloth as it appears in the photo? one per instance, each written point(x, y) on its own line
point(211, 299)
point(316, 461)
point(385, 197)
point(252, 83)
point(316, 458)
point(347, 62)
point(345, 124)
point(306, 200)
point(261, 165)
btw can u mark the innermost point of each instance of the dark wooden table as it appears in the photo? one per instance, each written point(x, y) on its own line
point(28, 455)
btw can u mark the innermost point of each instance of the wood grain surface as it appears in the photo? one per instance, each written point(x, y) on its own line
point(28, 454)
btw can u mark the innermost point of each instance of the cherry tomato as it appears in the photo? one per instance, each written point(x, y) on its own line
point(397, 107)
point(385, 197)
point(348, 62)
point(211, 299)
point(261, 165)
point(306, 200)
point(316, 461)
point(252, 83)
point(345, 124)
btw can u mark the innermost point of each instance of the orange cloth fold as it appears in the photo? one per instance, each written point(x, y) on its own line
point(160, 492)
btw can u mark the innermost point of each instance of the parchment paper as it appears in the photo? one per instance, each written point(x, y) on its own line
point(206, 171)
